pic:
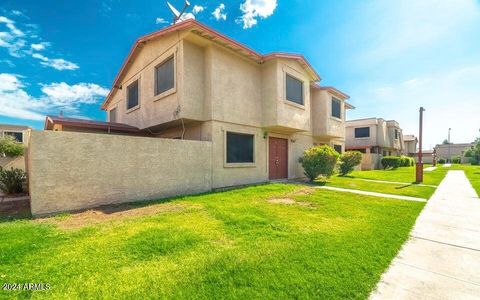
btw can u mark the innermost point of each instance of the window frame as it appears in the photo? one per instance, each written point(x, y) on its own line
point(338, 145)
point(5, 133)
point(128, 110)
point(156, 95)
point(341, 110)
point(289, 74)
point(362, 137)
point(110, 114)
point(239, 164)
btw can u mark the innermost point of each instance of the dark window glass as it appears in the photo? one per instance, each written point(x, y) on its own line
point(113, 115)
point(164, 76)
point(336, 108)
point(132, 95)
point(396, 134)
point(362, 132)
point(17, 135)
point(239, 148)
point(294, 90)
point(338, 148)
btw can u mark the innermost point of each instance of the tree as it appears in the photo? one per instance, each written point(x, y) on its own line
point(474, 153)
point(348, 161)
point(10, 147)
point(319, 160)
point(445, 142)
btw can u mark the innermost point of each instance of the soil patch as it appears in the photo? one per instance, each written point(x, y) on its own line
point(108, 213)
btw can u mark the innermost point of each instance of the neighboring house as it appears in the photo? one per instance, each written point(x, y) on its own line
point(21, 134)
point(448, 151)
point(427, 156)
point(260, 112)
point(59, 123)
point(410, 142)
point(375, 137)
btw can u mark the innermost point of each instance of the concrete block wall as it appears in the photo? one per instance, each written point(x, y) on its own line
point(70, 170)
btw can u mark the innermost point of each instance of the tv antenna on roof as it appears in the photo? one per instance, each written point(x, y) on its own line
point(179, 16)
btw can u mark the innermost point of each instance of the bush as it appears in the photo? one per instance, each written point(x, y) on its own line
point(441, 160)
point(406, 161)
point(12, 181)
point(348, 161)
point(456, 159)
point(319, 160)
point(474, 153)
point(10, 147)
point(391, 162)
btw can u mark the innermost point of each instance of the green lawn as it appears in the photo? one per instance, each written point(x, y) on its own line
point(405, 174)
point(356, 183)
point(473, 174)
point(233, 244)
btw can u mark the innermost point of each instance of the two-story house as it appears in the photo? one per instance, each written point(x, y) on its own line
point(21, 134)
point(260, 112)
point(374, 137)
point(410, 141)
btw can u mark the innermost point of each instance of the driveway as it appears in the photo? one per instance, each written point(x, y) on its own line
point(441, 260)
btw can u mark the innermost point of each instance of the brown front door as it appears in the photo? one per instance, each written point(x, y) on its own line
point(277, 158)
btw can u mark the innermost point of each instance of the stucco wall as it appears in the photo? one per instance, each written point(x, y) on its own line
point(70, 170)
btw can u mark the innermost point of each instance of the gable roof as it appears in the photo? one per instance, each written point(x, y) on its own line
point(213, 35)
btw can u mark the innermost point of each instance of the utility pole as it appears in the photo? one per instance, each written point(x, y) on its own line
point(449, 151)
point(419, 166)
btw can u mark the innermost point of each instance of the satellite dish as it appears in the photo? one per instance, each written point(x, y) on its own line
point(180, 16)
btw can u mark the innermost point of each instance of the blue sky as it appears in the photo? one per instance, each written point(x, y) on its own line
point(391, 57)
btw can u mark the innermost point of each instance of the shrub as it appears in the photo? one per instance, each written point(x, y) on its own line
point(348, 161)
point(12, 181)
point(319, 160)
point(474, 153)
point(441, 160)
point(10, 147)
point(456, 159)
point(406, 161)
point(391, 162)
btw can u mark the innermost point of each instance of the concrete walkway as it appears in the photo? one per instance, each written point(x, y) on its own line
point(430, 169)
point(441, 260)
point(399, 197)
point(395, 182)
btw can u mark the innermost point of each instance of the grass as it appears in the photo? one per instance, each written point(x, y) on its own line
point(405, 174)
point(407, 189)
point(233, 244)
point(473, 175)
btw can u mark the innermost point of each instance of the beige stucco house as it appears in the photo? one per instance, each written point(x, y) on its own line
point(410, 141)
point(375, 137)
point(21, 134)
point(260, 112)
point(448, 151)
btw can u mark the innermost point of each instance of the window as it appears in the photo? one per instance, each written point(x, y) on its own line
point(336, 108)
point(18, 136)
point(362, 132)
point(294, 88)
point(239, 148)
point(132, 95)
point(113, 115)
point(164, 76)
point(396, 134)
point(338, 148)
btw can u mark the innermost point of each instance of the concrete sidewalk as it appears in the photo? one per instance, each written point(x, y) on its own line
point(441, 260)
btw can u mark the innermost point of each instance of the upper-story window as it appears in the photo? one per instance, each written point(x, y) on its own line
point(113, 115)
point(294, 89)
point(240, 148)
point(362, 132)
point(165, 76)
point(336, 108)
point(132, 95)
point(396, 134)
point(17, 135)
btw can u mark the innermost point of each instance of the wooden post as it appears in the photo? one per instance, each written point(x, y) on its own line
point(419, 166)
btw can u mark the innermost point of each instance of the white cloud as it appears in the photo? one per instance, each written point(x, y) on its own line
point(11, 39)
point(197, 9)
point(219, 13)
point(253, 9)
point(161, 21)
point(15, 102)
point(17, 13)
point(40, 46)
point(451, 100)
point(62, 93)
point(56, 63)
